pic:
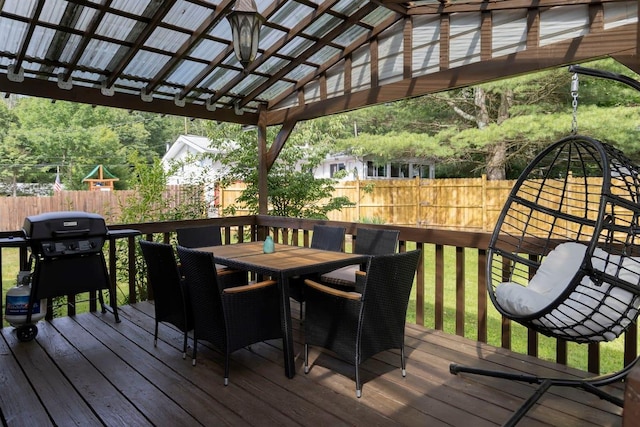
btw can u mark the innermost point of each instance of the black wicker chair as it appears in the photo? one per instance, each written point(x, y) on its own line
point(356, 325)
point(164, 279)
point(210, 235)
point(368, 241)
point(229, 318)
point(199, 237)
point(326, 237)
point(563, 258)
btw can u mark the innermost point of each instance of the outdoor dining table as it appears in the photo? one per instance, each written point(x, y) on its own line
point(285, 262)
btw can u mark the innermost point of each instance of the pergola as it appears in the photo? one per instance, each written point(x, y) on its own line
point(316, 57)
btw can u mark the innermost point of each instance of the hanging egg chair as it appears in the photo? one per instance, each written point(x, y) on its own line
point(564, 257)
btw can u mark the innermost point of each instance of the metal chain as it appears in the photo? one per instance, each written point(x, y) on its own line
point(574, 103)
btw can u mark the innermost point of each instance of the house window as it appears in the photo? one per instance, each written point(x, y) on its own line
point(336, 167)
point(376, 170)
point(399, 170)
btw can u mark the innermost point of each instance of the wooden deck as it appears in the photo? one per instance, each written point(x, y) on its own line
point(88, 370)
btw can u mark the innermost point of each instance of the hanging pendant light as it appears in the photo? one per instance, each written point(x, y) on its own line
point(245, 24)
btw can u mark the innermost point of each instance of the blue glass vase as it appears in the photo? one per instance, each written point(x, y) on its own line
point(269, 246)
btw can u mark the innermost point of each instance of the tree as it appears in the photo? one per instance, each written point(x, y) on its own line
point(293, 190)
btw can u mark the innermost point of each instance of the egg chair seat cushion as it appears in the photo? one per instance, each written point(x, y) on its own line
point(598, 310)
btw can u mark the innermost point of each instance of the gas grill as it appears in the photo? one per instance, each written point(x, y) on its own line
point(67, 250)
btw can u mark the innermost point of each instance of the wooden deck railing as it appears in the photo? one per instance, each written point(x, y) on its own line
point(434, 282)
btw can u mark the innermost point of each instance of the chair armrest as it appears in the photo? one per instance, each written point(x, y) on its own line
point(332, 291)
point(250, 287)
point(225, 271)
point(361, 273)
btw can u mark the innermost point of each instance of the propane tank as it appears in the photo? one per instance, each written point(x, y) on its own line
point(17, 302)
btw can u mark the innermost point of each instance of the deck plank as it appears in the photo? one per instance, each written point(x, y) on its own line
point(19, 403)
point(95, 371)
point(62, 402)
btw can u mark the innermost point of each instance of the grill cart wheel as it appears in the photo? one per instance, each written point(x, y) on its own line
point(27, 332)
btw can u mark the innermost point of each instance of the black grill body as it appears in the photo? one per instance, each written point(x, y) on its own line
point(67, 250)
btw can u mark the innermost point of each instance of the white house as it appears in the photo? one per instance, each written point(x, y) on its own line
point(189, 146)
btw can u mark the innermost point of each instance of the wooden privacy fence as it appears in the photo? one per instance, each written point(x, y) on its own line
point(464, 203)
point(109, 204)
point(472, 204)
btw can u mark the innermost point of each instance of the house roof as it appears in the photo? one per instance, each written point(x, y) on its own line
point(316, 57)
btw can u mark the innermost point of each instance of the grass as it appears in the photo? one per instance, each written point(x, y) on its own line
point(611, 354)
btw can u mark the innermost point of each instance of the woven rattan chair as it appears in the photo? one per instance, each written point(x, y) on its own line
point(368, 241)
point(164, 279)
point(564, 258)
point(324, 237)
point(229, 318)
point(357, 325)
point(210, 235)
point(199, 237)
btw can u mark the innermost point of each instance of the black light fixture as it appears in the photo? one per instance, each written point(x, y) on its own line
point(245, 24)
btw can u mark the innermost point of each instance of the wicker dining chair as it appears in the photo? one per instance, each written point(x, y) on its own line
point(230, 318)
point(358, 325)
point(199, 237)
point(164, 279)
point(210, 235)
point(326, 237)
point(368, 241)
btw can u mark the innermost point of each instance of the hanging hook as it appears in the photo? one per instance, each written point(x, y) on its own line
point(574, 103)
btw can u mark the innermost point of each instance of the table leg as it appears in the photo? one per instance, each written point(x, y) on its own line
point(287, 333)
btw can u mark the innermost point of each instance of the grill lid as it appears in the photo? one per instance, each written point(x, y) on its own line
point(64, 224)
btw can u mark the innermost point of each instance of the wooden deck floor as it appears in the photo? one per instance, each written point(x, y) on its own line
point(88, 371)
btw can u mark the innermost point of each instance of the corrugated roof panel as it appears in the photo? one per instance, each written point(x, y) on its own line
point(83, 21)
point(166, 39)
point(291, 14)
point(207, 49)
point(70, 47)
point(135, 85)
point(217, 79)
point(622, 13)
point(323, 25)
point(133, 7)
point(347, 7)
point(312, 92)
point(391, 54)
point(464, 45)
point(272, 65)
point(248, 84)
point(347, 37)
point(187, 15)
point(222, 30)
point(296, 46)
point(509, 32)
point(12, 33)
point(321, 56)
point(425, 45)
point(335, 80)
point(289, 101)
point(79, 76)
point(377, 16)
point(52, 11)
point(19, 7)
point(40, 41)
point(300, 72)
point(146, 64)
point(563, 23)
point(269, 36)
point(97, 55)
point(361, 69)
point(276, 89)
point(115, 27)
point(185, 72)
